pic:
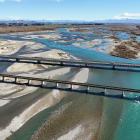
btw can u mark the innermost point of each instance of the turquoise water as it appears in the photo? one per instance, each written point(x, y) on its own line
point(85, 53)
point(129, 124)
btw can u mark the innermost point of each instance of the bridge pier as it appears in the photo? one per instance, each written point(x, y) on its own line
point(71, 87)
point(15, 80)
point(61, 63)
point(123, 94)
point(42, 84)
point(2, 78)
point(38, 62)
point(105, 91)
point(88, 88)
point(28, 82)
point(86, 65)
point(57, 85)
point(113, 67)
point(17, 59)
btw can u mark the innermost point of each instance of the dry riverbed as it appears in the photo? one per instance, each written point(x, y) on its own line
point(28, 100)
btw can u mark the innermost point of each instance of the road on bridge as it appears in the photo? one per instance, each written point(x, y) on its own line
point(73, 63)
point(86, 88)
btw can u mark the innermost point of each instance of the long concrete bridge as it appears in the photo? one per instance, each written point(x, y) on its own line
point(73, 63)
point(83, 88)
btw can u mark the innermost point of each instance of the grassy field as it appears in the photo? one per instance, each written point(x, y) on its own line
point(29, 28)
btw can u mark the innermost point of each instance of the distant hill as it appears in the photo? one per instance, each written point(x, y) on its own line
point(129, 21)
point(123, 21)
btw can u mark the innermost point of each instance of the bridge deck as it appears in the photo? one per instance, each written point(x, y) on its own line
point(87, 88)
point(72, 63)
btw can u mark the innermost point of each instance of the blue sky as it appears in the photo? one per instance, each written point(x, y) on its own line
point(69, 9)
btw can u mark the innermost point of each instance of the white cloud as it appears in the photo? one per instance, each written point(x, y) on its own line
point(21, 0)
point(56, 0)
point(10, 0)
point(128, 16)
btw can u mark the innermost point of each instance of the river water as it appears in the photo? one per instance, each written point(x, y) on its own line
point(120, 119)
point(113, 119)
